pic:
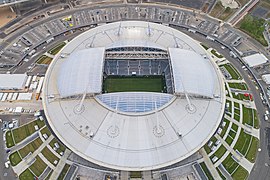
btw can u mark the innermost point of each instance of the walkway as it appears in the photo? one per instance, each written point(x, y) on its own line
point(209, 164)
point(60, 164)
point(19, 168)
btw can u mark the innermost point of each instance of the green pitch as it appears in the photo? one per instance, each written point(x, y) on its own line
point(134, 83)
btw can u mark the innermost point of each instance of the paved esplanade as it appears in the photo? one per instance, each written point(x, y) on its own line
point(150, 139)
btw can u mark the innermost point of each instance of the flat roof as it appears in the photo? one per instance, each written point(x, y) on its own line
point(255, 59)
point(12, 81)
point(128, 141)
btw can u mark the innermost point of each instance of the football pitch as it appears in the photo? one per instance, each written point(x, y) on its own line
point(133, 83)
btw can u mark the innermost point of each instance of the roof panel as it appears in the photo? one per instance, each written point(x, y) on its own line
point(192, 73)
point(82, 72)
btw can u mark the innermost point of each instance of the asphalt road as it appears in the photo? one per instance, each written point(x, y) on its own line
point(261, 169)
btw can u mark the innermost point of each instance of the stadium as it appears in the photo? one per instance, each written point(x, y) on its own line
point(133, 96)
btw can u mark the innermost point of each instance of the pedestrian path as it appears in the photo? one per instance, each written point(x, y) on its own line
point(60, 164)
point(27, 161)
point(209, 164)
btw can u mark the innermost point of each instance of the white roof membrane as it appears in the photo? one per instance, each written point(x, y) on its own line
point(82, 72)
point(192, 73)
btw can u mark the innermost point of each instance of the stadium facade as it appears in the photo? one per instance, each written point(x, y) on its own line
point(133, 130)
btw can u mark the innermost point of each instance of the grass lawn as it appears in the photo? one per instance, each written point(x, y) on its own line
point(9, 139)
point(254, 27)
point(63, 172)
point(61, 148)
point(49, 155)
point(236, 117)
point(230, 164)
point(123, 84)
point(15, 158)
point(46, 130)
point(225, 127)
point(135, 174)
point(49, 175)
point(26, 175)
point(216, 53)
point(237, 111)
point(240, 96)
point(243, 142)
point(240, 173)
point(229, 140)
point(44, 60)
point(57, 48)
point(219, 153)
point(234, 127)
point(217, 9)
point(250, 117)
point(233, 72)
point(206, 171)
point(232, 134)
point(227, 13)
point(207, 149)
point(241, 86)
point(31, 147)
point(26, 130)
point(236, 105)
point(38, 166)
point(252, 152)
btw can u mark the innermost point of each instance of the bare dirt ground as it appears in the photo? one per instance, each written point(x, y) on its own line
point(6, 15)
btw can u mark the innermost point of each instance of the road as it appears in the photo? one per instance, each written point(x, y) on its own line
point(260, 170)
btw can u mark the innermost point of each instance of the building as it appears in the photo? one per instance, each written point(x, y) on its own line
point(133, 131)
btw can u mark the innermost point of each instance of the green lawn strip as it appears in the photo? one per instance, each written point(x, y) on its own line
point(26, 175)
point(237, 117)
point(26, 130)
point(206, 171)
point(240, 173)
point(45, 130)
point(134, 83)
point(236, 105)
point(254, 27)
point(241, 86)
point(49, 155)
point(9, 139)
point(15, 158)
point(252, 152)
point(61, 148)
point(225, 127)
point(38, 166)
point(248, 117)
point(243, 142)
point(256, 120)
point(30, 147)
point(227, 13)
point(207, 149)
point(63, 172)
point(233, 72)
point(135, 174)
point(57, 48)
point(230, 164)
point(232, 134)
point(234, 127)
point(237, 111)
point(220, 174)
point(216, 53)
point(219, 153)
point(44, 60)
point(229, 140)
point(240, 96)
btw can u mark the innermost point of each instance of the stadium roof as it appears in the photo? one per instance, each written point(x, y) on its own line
point(190, 70)
point(82, 73)
point(135, 131)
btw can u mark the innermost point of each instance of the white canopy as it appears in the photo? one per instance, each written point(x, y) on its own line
point(82, 72)
point(192, 73)
point(255, 59)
